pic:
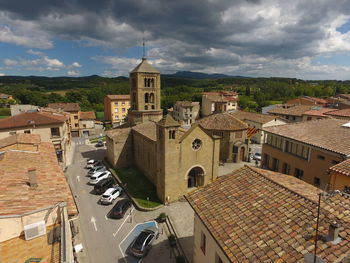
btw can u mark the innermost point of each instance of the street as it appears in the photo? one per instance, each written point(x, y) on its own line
point(101, 235)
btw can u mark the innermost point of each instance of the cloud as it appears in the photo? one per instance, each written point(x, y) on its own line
point(2, 74)
point(228, 36)
point(75, 65)
point(35, 52)
point(10, 62)
point(73, 73)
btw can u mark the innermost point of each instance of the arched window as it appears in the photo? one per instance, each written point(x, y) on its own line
point(151, 97)
point(152, 83)
point(146, 107)
point(148, 82)
point(145, 82)
point(152, 107)
point(146, 98)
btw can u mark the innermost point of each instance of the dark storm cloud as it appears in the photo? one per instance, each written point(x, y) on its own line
point(196, 32)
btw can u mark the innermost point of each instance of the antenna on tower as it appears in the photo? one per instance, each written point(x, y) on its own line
point(143, 44)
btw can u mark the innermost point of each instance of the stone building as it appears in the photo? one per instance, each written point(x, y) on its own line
point(222, 101)
point(172, 158)
point(186, 112)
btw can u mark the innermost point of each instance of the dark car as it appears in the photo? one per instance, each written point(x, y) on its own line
point(100, 143)
point(143, 242)
point(103, 185)
point(119, 209)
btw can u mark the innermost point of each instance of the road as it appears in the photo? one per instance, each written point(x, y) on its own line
point(101, 235)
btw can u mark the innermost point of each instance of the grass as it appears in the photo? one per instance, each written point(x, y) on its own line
point(2, 117)
point(100, 115)
point(139, 187)
point(95, 140)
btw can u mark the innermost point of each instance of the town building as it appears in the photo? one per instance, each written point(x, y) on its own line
point(316, 113)
point(4, 96)
point(339, 102)
point(87, 124)
point(339, 114)
point(257, 122)
point(116, 108)
point(52, 127)
point(340, 176)
point(221, 101)
point(307, 149)
point(266, 109)
point(186, 112)
point(290, 112)
point(306, 100)
point(73, 109)
point(35, 202)
point(21, 108)
point(174, 159)
point(255, 215)
point(234, 143)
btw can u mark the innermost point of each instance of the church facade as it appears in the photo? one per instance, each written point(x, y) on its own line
point(175, 160)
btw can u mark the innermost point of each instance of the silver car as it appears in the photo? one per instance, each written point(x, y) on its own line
point(143, 242)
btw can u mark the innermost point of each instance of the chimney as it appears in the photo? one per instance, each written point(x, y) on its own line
point(333, 231)
point(32, 178)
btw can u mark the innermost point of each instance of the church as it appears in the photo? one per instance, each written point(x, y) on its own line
point(174, 159)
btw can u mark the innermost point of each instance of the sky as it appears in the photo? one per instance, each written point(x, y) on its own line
point(257, 38)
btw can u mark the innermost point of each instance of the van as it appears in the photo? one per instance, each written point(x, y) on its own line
point(103, 185)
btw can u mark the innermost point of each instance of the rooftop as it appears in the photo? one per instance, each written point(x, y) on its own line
point(68, 107)
point(263, 216)
point(117, 131)
point(87, 115)
point(16, 196)
point(222, 121)
point(252, 116)
point(342, 168)
point(147, 129)
point(318, 112)
point(118, 97)
point(30, 119)
point(328, 134)
point(339, 113)
point(144, 67)
point(289, 109)
point(168, 121)
point(187, 103)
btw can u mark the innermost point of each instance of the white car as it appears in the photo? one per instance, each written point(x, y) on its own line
point(96, 169)
point(96, 177)
point(92, 163)
point(110, 195)
point(257, 156)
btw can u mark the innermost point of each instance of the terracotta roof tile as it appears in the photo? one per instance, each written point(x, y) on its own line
point(252, 116)
point(87, 115)
point(339, 113)
point(343, 167)
point(327, 134)
point(119, 97)
point(294, 110)
point(318, 112)
point(147, 129)
point(168, 121)
point(16, 197)
point(264, 216)
point(117, 131)
point(28, 119)
point(222, 121)
point(22, 138)
point(68, 107)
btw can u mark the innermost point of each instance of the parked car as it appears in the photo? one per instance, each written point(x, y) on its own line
point(96, 177)
point(110, 195)
point(143, 242)
point(97, 169)
point(90, 161)
point(103, 185)
point(100, 143)
point(119, 209)
point(93, 164)
point(257, 156)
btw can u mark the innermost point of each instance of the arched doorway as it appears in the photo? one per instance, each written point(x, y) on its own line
point(195, 177)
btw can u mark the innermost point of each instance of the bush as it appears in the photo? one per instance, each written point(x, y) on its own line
point(5, 112)
point(162, 217)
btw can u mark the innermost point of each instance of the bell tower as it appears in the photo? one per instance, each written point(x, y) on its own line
point(144, 94)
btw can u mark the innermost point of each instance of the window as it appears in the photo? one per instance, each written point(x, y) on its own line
point(123, 103)
point(285, 168)
point(123, 110)
point(320, 157)
point(116, 103)
point(84, 125)
point(297, 149)
point(116, 110)
point(347, 189)
point(55, 132)
point(203, 242)
point(12, 133)
point(317, 181)
point(116, 117)
point(266, 160)
point(309, 118)
point(275, 164)
point(75, 117)
point(196, 144)
point(298, 173)
point(172, 134)
point(293, 118)
point(76, 125)
point(27, 131)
